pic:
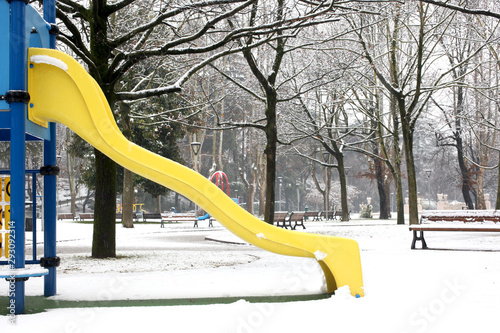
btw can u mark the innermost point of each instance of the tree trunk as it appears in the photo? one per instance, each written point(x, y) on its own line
point(464, 171)
point(262, 185)
point(410, 170)
point(158, 204)
point(343, 188)
point(252, 184)
point(71, 167)
point(128, 199)
point(72, 170)
point(128, 176)
point(497, 204)
point(396, 173)
point(270, 152)
point(379, 174)
point(104, 240)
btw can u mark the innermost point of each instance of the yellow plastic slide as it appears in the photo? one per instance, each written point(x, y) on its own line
point(62, 91)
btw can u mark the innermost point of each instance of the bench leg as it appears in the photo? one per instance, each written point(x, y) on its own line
point(301, 223)
point(210, 223)
point(418, 238)
point(195, 224)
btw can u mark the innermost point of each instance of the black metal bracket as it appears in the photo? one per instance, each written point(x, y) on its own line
point(17, 279)
point(49, 170)
point(54, 29)
point(17, 96)
point(47, 262)
point(418, 238)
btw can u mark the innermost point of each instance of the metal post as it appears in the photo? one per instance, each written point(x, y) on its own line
point(280, 179)
point(298, 196)
point(428, 172)
point(18, 55)
point(50, 181)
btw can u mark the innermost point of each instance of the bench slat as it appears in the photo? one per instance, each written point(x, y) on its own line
point(454, 228)
point(465, 221)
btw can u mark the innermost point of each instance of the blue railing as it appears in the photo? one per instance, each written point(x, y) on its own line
point(33, 174)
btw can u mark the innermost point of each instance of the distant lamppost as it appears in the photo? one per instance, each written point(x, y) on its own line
point(195, 147)
point(428, 172)
point(280, 179)
point(298, 196)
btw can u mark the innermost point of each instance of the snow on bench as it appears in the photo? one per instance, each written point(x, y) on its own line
point(455, 220)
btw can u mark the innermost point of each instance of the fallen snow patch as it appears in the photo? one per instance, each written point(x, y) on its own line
point(45, 59)
point(343, 293)
point(320, 255)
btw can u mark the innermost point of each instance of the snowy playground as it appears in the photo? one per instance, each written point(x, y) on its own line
point(452, 287)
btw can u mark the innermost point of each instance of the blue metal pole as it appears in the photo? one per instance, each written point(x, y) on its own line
point(17, 100)
point(50, 181)
point(33, 212)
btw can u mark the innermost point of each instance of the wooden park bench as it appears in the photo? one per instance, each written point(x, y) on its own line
point(119, 216)
point(65, 216)
point(180, 217)
point(315, 216)
point(455, 220)
point(280, 219)
point(297, 218)
point(329, 216)
point(151, 216)
point(86, 216)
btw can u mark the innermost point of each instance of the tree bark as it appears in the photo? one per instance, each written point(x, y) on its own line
point(270, 152)
point(128, 199)
point(262, 184)
point(464, 171)
point(379, 174)
point(128, 176)
point(104, 240)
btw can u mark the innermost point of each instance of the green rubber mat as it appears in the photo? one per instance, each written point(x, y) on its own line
point(37, 304)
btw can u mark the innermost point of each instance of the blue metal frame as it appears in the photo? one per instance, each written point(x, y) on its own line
point(4, 52)
point(16, 22)
point(18, 62)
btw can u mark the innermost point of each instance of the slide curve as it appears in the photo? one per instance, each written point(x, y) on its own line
point(62, 91)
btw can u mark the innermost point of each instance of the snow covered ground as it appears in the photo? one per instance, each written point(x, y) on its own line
point(406, 290)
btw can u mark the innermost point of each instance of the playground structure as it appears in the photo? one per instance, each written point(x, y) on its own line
point(60, 90)
point(135, 208)
point(21, 27)
point(219, 179)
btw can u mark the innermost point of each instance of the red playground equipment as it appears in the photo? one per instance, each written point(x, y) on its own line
point(219, 177)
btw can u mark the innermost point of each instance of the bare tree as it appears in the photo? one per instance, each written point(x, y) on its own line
point(142, 30)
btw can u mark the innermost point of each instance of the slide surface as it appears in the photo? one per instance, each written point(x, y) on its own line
point(62, 91)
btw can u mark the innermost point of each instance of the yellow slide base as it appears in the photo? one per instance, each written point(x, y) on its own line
point(62, 91)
